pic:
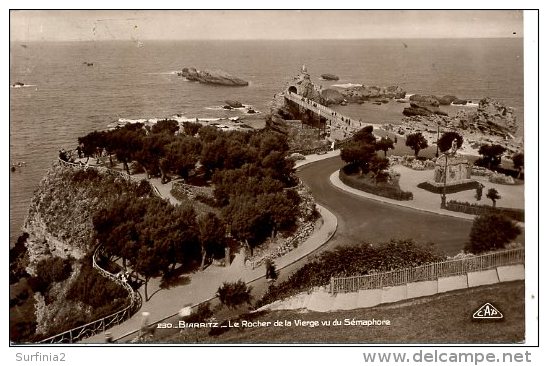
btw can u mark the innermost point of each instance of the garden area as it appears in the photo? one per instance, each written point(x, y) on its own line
point(367, 170)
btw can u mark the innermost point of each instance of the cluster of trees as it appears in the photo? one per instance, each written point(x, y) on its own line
point(249, 185)
point(162, 149)
point(152, 236)
point(491, 158)
point(252, 189)
point(253, 193)
point(491, 155)
point(159, 149)
point(361, 154)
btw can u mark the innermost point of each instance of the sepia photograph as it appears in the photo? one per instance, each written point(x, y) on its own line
point(279, 177)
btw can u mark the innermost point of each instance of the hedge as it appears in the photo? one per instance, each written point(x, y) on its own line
point(475, 209)
point(380, 190)
point(455, 188)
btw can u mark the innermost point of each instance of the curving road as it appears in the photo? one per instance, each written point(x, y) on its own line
point(361, 219)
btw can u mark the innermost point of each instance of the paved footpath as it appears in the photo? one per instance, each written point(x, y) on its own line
point(203, 284)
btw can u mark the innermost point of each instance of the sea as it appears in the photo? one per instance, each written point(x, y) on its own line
point(64, 98)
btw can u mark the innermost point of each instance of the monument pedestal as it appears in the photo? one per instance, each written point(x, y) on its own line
point(451, 174)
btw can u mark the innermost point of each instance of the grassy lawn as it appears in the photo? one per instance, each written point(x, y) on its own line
point(443, 318)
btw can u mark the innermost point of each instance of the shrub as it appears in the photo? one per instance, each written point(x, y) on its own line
point(207, 200)
point(477, 209)
point(23, 331)
point(95, 290)
point(366, 259)
point(143, 188)
point(200, 314)
point(454, 188)
point(490, 232)
point(49, 271)
point(232, 294)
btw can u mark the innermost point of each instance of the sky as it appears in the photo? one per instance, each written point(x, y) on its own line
point(92, 25)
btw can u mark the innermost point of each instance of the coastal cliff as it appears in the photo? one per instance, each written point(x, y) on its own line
point(59, 221)
point(64, 291)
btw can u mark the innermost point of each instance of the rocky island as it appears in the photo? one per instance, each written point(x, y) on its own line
point(214, 77)
point(329, 77)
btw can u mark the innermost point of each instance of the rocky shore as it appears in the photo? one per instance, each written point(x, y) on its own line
point(491, 123)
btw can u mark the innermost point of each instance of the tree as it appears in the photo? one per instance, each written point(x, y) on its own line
point(213, 155)
point(491, 232)
point(493, 195)
point(232, 294)
point(152, 153)
point(446, 140)
point(417, 142)
point(358, 155)
point(365, 135)
point(209, 134)
point(518, 160)
point(181, 155)
point(491, 155)
point(148, 263)
point(377, 166)
point(182, 229)
point(278, 210)
point(125, 142)
point(211, 233)
point(191, 128)
point(167, 126)
point(384, 144)
point(91, 142)
point(247, 222)
point(278, 166)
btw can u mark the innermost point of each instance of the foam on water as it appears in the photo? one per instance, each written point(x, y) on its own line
point(468, 104)
point(163, 73)
point(347, 85)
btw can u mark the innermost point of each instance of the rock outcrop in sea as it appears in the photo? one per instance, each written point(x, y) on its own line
point(423, 105)
point(234, 104)
point(362, 93)
point(329, 77)
point(332, 96)
point(215, 77)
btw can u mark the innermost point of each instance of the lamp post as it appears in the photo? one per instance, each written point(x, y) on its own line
point(443, 197)
point(438, 140)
